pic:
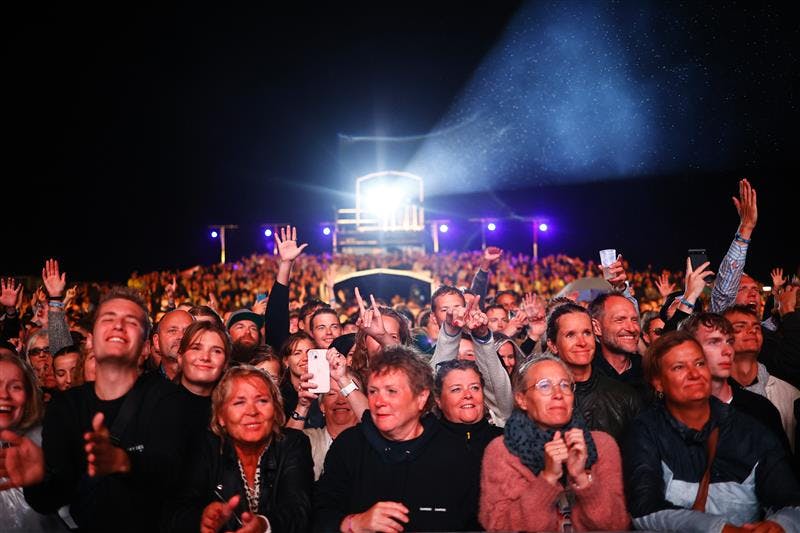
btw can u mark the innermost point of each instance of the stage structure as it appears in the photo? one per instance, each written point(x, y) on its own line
point(389, 215)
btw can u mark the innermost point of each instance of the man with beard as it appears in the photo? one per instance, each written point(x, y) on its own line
point(245, 329)
point(167, 339)
point(615, 322)
point(605, 403)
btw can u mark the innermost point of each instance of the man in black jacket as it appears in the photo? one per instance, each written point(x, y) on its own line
point(606, 404)
point(111, 448)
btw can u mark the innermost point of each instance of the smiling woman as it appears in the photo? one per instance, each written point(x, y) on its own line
point(548, 470)
point(21, 410)
point(250, 469)
point(724, 468)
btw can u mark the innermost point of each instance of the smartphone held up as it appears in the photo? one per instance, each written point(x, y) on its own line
point(319, 366)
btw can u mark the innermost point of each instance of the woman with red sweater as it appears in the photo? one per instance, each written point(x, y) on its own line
point(547, 472)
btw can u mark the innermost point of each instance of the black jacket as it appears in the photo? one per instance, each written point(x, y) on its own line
point(780, 352)
point(156, 438)
point(476, 437)
point(664, 462)
point(607, 405)
point(287, 475)
point(434, 476)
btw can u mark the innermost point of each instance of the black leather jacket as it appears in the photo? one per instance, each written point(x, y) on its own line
point(606, 404)
point(287, 476)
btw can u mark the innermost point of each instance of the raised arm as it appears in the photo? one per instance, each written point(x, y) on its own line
point(55, 283)
point(499, 395)
point(723, 295)
point(480, 283)
point(276, 317)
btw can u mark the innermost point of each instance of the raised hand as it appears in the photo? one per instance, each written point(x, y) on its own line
point(69, 296)
point(383, 516)
point(618, 275)
point(287, 244)
point(370, 320)
point(664, 286)
point(695, 280)
point(747, 207)
point(102, 456)
point(476, 320)
point(491, 255)
point(304, 394)
point(10, 293)
point(787, 300)
point(456, 317)
point(259, 307)
point(213, 303)
point(21, 462)
point(516, 323)
point(53, 281)
point(535, 307)
point(555, 455)
point(778, 280)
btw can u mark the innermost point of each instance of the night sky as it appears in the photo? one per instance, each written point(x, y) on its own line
point(130, 130)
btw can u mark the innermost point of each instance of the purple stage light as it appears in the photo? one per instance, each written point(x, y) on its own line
point(214, 234)
point(491, 226)
point(267, 232)
point(326, 231)
point(443, 228)
point(542, 227)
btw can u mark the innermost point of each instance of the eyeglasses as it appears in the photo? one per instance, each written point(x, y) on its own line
point(547, 387)
point(36, 352)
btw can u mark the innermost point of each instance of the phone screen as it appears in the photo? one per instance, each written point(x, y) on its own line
point(318, 365)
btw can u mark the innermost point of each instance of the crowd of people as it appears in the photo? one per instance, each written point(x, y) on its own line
point(259, 396)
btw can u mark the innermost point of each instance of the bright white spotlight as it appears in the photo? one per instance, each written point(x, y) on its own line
point(542, 227)
point(326, 231)
point(214, 234)
point(267, 232)
point(385, 199)
point(491, 226)
point(444, 228)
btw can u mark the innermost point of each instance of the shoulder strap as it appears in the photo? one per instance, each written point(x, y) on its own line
point(126, 412)
point(711, 451)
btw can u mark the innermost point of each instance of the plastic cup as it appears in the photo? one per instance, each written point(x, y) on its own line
point(607, 257)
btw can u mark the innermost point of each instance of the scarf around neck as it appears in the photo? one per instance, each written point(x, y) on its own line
point(525, 439)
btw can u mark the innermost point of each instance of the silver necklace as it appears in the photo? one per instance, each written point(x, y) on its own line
point(254, 494)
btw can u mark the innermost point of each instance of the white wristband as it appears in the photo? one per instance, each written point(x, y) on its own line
point(347, 389)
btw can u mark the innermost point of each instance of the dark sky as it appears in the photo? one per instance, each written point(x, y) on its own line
point(129, 130)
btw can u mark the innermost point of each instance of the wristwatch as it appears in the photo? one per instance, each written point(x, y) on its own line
point(350, 387)
point(298, 416)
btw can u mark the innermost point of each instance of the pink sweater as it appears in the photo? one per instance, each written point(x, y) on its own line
point(514, 499)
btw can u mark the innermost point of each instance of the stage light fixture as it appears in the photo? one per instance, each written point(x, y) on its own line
point(491, 226)
point(326, 231)
point(543, 227)
point(444, 228)
point(214, 234)
point(267, 232)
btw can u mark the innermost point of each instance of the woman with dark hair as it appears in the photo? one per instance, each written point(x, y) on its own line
point(294, 356)
point(548, 471)
point(248, 472)
point(507, 350)
point(692, 463)
point(458, 390)
point(398, 469)
point(21, 411)
point(378, 327)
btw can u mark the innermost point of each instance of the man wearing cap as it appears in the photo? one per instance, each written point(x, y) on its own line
point(245, 328)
